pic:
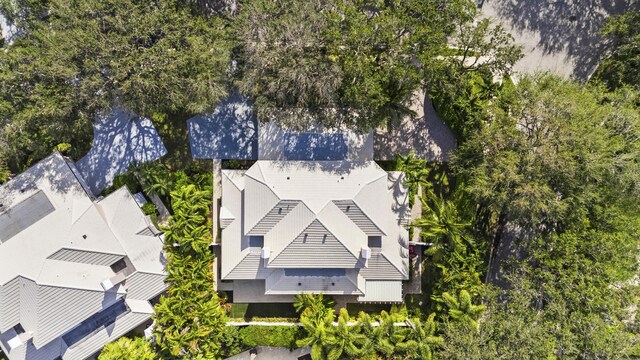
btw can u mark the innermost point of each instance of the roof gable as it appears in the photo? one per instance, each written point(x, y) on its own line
point(315, 247)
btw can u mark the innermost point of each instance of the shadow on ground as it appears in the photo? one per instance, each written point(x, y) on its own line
point(569, 27)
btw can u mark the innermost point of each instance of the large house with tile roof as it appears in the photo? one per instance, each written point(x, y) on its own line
point(331, 227)
point(76, 272)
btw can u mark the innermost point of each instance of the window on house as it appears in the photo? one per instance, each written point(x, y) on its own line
point(375, 241)
point(256, 241)
point(119, 265)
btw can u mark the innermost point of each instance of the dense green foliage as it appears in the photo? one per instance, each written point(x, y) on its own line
point(79, 59)
point(554, 176)
point(284, 336)
point(622, 66)
point(189, 320)
point(389, 336)
point(463, 84)
point(124, 348)
point(340, 62)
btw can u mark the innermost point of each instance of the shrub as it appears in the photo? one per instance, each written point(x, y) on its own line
point(126, 179)
point(63, 148)
point(149, 208)
point(125, 348)
point(284, 336)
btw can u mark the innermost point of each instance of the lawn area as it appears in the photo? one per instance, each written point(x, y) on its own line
point(284, 336)
point(262, 310)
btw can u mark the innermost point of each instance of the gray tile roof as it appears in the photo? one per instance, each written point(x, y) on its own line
point(51, 270)
point(314, 215)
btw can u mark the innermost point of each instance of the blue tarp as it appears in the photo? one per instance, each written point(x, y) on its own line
point(315, 146)
point(119, 140)
point(229, 132)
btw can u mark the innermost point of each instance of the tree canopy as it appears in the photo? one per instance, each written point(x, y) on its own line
point(340, 62)
point(78, 59)
point(622, 65)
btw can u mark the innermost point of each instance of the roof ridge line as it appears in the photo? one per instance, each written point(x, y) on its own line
point(271, 258)
point(334, 235)
point(364, 213)
point(391, 262)
point(267, 213)
point(239, 262)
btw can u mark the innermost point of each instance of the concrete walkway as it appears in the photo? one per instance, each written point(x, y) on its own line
point(284, 323)
point(559, 36)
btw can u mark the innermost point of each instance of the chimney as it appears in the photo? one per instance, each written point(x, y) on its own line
point(112, 281)
point(366, 252)
point(266, 252)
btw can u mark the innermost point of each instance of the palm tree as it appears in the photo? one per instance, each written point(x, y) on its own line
point(387, 336)
point(421, 339)
point(440, 221)
point(462, 309)
point(396, 105)
point(319, 328)
point(309, 300)
point(366, 343)
point(344, 339)
point(416, 173)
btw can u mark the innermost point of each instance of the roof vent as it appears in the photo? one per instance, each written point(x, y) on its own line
point(265, 253)
point(366, 252)
point(14, 342)
point(84, 236)
point(288, 178)
point(112, 281)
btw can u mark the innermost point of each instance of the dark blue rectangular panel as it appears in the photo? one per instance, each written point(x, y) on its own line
point(95, 323)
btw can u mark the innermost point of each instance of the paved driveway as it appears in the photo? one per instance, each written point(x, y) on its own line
point(558, 36)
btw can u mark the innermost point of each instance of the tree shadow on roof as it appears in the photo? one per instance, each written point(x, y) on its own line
point(229, 132)
point(119, 140)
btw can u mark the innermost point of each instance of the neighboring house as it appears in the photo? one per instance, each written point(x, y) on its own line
point(75, 272)
point(332, 227)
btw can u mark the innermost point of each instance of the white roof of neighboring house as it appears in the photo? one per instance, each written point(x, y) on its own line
point(314, 215)
point(57, 245)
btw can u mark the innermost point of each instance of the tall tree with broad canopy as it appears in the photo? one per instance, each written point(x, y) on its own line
point(342, 61)
point(559, 160)
point(80, 58)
